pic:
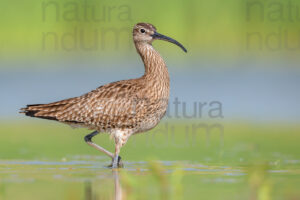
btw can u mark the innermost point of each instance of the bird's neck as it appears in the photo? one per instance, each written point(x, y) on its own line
point(155, 67)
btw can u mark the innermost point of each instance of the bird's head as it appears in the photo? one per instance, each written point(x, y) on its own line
point(144, 32)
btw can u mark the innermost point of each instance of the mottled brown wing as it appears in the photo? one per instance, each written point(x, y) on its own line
point(116, 105)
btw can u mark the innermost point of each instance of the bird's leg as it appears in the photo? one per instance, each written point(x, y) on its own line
point(117, 159)
point(88, 140)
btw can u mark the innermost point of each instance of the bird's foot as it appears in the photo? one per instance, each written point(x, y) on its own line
point(116, 164)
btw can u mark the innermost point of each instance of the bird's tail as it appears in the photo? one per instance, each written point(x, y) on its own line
point(49, 111)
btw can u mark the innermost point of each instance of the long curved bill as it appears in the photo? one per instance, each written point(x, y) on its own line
point(159, 36)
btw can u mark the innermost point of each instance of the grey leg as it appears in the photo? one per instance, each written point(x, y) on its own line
point(88, 140)
point(116, 160)
point(119, 164)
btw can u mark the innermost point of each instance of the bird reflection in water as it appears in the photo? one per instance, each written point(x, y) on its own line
point(118, 187)
point(91, 195)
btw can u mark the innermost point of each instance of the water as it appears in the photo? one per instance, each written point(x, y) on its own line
point(142, 180)
point(18, 168)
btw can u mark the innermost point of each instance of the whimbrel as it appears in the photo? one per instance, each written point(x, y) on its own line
point(121, 108)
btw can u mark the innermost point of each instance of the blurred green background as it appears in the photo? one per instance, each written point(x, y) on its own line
point(35, 28)
point(242, 66)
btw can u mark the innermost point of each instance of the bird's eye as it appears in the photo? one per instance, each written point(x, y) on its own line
point(142, 30)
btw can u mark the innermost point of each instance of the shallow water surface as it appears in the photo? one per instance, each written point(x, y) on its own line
point(87, 177)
